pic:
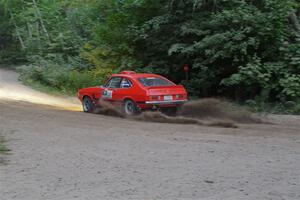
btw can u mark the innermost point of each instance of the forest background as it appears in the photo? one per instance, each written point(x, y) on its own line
point(247, 51)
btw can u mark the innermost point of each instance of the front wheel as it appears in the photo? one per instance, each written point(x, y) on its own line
point(130, 107)
point(87, 105)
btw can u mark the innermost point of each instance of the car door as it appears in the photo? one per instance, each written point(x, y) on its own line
point(110, 91)
point(124, 91)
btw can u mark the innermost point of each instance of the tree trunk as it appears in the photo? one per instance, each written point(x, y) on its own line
point(19, 37)
point(295, 22)
point(27, 24)
point(17, 31)
point(40, 19)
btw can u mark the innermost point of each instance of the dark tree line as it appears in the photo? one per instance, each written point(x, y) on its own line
point(240, 49)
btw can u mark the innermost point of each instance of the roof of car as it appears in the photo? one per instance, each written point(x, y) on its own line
point(136, 75)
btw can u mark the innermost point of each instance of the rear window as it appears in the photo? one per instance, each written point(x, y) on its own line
point(154, 81)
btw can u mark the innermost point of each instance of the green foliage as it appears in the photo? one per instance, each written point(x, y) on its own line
point(3, 148)
point(259, 105)
point(240, 49)
point(8, 45)
point(62, 78)
point(111, 43)
point(281, 78)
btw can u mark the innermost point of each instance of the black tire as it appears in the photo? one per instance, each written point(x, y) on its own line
point(130, 107)
point(87, 105)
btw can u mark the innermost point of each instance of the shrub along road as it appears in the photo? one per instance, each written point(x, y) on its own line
point(64, 154)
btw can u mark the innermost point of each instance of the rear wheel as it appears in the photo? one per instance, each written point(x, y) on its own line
point(130, 107)
point(87, 105)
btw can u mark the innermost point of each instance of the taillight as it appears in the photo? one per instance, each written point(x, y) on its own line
point(154, 97)
point(179, 96)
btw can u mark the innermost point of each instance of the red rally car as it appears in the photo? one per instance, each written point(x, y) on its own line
point(135, 92)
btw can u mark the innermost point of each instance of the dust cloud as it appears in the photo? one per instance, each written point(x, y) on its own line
point(105, 108)
point(204, 112)
point(212, 108)
point(161, 118)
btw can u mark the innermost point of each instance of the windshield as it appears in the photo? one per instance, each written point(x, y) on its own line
point(154, 81)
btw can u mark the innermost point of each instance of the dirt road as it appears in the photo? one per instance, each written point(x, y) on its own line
point(63, 154)
point(12, 89)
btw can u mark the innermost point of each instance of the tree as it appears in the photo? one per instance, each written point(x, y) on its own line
point(219, 39)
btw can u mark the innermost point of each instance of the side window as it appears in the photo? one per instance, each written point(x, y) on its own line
point(125, 83)
point(114, 82)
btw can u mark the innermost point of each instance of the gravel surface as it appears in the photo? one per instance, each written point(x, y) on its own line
point(62, 155)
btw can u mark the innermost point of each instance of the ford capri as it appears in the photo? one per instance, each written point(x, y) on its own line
point(135, 92)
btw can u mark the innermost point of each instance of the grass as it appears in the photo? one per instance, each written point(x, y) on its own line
point(281, 108)
point(47, 89)
point(3, 149)
point(7, 66)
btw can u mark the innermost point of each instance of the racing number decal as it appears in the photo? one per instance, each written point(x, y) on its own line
point(107, 94)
